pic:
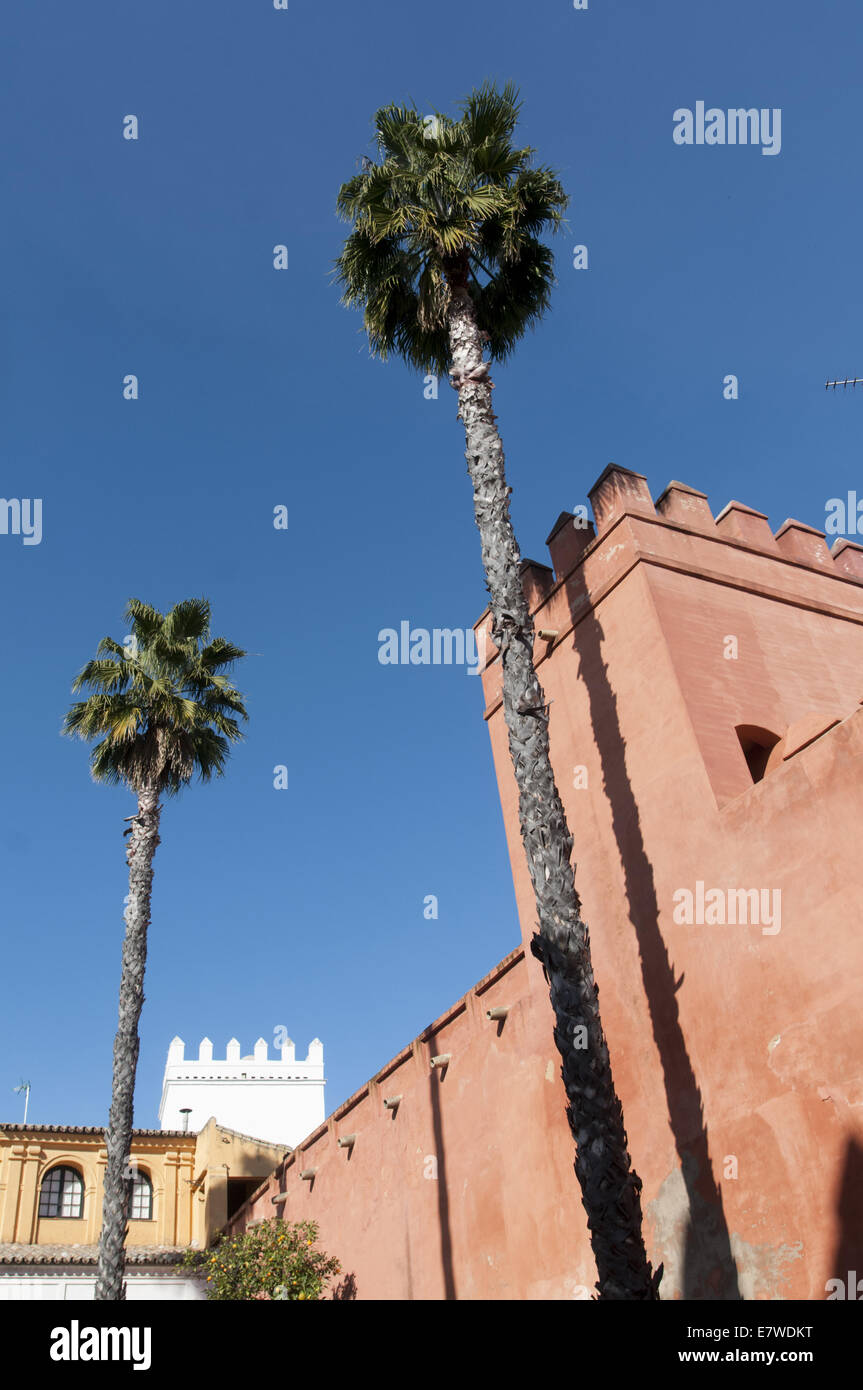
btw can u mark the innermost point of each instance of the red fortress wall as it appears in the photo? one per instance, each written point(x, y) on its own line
point(464, 1190)
point(705, 679)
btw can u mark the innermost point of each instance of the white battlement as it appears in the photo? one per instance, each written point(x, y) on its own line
point(279, 1099)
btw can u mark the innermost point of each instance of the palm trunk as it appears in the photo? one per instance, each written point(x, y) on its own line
point(139, 856)
point(610, 1188)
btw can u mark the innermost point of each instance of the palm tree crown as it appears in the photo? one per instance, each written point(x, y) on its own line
point(452, 203)
point(161, 706)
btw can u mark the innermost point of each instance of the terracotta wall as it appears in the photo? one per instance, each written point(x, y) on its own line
point(466, 1190)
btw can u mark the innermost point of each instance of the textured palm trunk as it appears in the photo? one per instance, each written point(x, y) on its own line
point(609, 1186)
point(143, 840)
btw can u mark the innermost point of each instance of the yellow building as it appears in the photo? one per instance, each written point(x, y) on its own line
point(186, 1186)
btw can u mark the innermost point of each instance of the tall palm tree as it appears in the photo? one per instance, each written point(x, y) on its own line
point(445, 259)
point(163, 709)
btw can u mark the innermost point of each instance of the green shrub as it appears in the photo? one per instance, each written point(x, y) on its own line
point(271, 1260)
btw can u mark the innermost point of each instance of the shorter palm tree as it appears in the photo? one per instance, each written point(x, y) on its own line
point(162, 710)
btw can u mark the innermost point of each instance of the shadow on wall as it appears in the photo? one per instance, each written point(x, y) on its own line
point(848, 1258)
point(708, 1269)
point(346, 1290)
point(437, 1078)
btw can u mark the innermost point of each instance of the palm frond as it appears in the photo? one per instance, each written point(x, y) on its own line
point(161, 712)
point(456, 197)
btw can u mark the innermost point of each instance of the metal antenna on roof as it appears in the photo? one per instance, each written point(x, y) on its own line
point(25, 1087)
point(849, 381)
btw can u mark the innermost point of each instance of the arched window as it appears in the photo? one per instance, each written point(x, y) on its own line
point(757, 745)
point(141, 1205)
point(62, 1193)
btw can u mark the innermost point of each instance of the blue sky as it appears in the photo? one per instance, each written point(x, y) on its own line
point(304, 907)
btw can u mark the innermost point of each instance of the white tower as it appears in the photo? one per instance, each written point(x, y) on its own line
point(281, 1100)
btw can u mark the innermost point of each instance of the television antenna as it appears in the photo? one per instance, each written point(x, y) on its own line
point(849, 381)
point(25, 1087)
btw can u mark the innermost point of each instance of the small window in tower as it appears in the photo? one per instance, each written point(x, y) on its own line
point(757, 745)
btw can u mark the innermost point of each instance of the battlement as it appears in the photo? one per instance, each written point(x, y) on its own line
point(762, 629)
point(679, 531)
point(233, 1057)
point(619, 492)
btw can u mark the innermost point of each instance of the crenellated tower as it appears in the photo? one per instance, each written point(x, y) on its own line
point(704, 679)
point(277, 1099)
